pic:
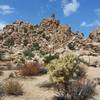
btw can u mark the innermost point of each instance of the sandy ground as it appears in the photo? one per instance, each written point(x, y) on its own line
point(93, 73)
point(32, 88)
point(33, 91)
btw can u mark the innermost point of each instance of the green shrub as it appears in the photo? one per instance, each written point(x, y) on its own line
point(64, 73)
point(43, 53)
point(28, 53)
point(13, 87)
point(65, 68)
point(50, 57)
point(35, 46)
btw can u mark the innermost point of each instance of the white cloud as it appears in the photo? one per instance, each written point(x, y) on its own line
point(69, 8)
point(2, 25)
point(6, 9)
point(83, 24)
point(97, 11)
point(93, 24)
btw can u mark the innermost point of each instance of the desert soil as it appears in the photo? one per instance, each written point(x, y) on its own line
point(34, 91)
point(32, 86)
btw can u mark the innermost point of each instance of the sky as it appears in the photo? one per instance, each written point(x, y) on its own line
point(81, 15)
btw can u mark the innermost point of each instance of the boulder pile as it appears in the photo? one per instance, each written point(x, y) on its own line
point(21, 38)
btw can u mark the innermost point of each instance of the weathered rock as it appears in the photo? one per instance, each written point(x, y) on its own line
point(50, 34)
point(47, 37)
point(95, 35)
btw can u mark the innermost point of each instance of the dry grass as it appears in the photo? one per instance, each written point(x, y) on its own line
point(13, 87)
point(30, 69)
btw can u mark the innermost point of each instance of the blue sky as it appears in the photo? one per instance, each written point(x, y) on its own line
point(81, 15)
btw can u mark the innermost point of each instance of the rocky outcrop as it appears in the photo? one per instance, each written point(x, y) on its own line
point(49, 35)
point(95, 35)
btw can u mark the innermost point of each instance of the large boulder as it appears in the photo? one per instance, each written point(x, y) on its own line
point(95, 35)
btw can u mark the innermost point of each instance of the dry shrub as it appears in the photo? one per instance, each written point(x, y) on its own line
point(13, 87)
point(77, 91)
point(30, 69)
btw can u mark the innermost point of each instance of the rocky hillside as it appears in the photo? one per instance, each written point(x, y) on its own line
point(47, 37)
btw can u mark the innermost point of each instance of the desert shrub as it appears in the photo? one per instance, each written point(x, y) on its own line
point(64, 72)
point(13, 87)
point(50, 57)
point(65, 68)
point(30, 69)
point(43, 53)
point(82, 91)
point(78, 91)
point(28, 53)
point(35, 46)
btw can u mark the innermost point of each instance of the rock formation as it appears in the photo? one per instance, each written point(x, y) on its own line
point(47, 37)
point(95, 35)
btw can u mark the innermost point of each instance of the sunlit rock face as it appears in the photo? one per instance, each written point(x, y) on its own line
point(95, 35)
point(48, 36)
